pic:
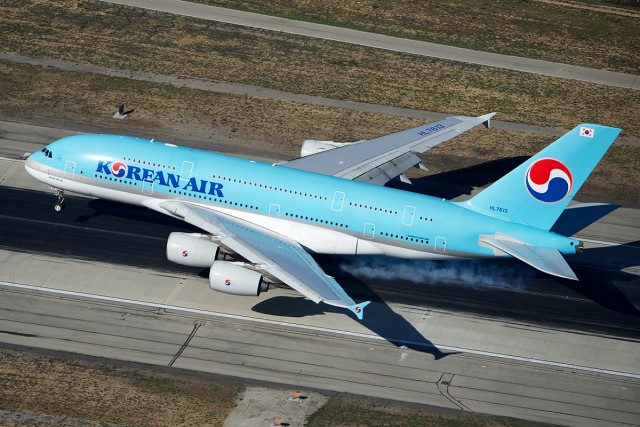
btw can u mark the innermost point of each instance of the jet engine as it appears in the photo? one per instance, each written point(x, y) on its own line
point(192, 249)
point(313, 146)
point(231, 278)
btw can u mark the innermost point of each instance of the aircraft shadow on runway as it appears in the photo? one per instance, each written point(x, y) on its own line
point(605, 284)
point(501, 289)
point(379, 318)
point(572, 221)
point(459, 182)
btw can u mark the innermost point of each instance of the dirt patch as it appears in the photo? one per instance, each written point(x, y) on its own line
point(99, 392)
point(259, 406)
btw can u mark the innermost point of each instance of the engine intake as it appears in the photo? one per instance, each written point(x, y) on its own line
point(192, 249)
point(231, 278)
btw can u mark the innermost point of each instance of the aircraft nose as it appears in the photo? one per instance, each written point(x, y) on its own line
point(34, 162)
point(31, 162)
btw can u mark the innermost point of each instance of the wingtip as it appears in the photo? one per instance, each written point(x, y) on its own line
point(486, 119)
point(358, 309)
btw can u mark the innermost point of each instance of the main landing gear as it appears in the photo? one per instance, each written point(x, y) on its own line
point(59, 206)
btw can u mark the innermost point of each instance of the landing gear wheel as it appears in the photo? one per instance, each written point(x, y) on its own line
point(59, 206)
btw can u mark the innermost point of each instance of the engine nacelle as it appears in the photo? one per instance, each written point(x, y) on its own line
point(231, 278)
point(313, 146)
point(192, 249)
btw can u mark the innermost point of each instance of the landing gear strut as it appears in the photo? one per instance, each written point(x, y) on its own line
point(59, 206)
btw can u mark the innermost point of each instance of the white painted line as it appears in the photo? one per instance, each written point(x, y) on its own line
point(12, 160)
point(316, 328)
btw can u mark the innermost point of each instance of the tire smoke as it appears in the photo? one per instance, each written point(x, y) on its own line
point(505, 274)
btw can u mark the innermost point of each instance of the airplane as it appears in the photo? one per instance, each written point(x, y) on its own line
point(332, 200)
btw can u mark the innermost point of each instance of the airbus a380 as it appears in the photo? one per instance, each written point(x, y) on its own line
point(331, 201)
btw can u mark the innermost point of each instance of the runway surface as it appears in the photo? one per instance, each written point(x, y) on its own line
point(282, 355)
point(605, 300)
point(602, 302)
point(492, 337)
point(379, 41)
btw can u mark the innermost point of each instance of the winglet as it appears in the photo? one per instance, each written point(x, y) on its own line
point(358, 309)
point(487, 119)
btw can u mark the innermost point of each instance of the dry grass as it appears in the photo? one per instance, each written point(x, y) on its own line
point(109, 394)
point(127, 38)
point(362, 413)
point(278, 126)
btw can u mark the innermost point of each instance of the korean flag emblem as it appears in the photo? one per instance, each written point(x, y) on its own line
point(586, 132)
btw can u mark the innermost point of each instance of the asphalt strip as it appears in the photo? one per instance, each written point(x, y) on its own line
point(316, 328)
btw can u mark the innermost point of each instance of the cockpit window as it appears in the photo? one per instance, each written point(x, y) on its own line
point(47, 153)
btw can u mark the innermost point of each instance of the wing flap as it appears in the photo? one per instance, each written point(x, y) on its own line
point(278, 255)
point(548, 260)
point(380, 175)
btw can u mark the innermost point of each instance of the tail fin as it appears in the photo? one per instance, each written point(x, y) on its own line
point(536, 192)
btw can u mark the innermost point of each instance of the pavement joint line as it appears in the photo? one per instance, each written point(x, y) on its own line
point(196, 326)
point(318, 329)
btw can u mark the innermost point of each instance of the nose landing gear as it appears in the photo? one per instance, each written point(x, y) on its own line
point(59, 206)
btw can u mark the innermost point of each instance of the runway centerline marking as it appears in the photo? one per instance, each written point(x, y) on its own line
point(315, 328)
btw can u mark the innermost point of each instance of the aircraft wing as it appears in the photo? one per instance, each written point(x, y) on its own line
point(548, 260)
point(381, 159)
point(274, 253)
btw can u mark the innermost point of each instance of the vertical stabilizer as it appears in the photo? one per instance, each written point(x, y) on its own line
point(536, 192)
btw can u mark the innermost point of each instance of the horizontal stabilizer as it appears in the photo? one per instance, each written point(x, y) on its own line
point(358, 309)
point(548, 260)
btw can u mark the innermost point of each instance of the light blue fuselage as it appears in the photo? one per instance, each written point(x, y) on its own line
point(372, 219)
